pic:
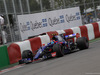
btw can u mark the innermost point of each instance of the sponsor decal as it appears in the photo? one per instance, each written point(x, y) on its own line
point(71, 17)
point(53, 54)
point(56, 21)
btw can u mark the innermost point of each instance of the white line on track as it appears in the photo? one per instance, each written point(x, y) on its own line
point(10, 69)
point(13, 68)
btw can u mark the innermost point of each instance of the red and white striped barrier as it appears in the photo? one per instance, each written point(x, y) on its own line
point(91, 31)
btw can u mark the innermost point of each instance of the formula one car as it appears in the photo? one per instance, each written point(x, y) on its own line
point(59, 46)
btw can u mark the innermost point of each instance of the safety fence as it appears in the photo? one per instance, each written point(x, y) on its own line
point(90, 10)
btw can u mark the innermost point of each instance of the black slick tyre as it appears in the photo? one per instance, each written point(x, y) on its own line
point(27, 54)
point(59, 51)
point(82, 43)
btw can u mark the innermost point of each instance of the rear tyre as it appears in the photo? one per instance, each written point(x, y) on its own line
point(82, 43)
point(58, 49)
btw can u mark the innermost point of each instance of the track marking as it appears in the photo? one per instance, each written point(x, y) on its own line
point(15, 67)
point(10, 69)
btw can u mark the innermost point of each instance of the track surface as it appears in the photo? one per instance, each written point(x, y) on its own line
point(85, 62)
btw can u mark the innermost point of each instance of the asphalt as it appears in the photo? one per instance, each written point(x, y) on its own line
point(85, 62)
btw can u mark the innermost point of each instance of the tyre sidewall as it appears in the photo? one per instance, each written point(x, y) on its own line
point(58, 49)
point(82, 43)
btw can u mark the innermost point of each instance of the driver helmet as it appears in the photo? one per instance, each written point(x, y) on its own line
point(52, 42)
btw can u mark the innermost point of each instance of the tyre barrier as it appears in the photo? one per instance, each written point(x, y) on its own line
point(91, 31)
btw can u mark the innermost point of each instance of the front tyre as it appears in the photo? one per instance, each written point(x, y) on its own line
point(27, 54)
point(58, 49)
point(21, 62)
point(82, 43)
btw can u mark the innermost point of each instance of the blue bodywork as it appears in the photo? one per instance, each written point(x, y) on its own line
point(70, 36)
point(26, 60)
point(46, 51)
point(41, 49)
point(58, 40)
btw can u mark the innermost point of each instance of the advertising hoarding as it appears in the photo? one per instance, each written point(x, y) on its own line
point(34, 24)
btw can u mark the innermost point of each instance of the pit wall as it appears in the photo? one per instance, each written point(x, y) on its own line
point(91, 31)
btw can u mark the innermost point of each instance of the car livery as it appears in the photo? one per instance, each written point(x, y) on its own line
point(59, 46)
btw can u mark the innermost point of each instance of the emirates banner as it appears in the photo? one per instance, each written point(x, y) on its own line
point(34, 24)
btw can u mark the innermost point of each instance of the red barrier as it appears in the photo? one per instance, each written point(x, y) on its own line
point(52, 32)
point(35, 44)
point(14, 53)
point(84, 31)
point(96, 30)
point(68, 31)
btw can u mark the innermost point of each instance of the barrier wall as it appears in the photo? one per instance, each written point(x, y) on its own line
point(4, 59)
point(91, 31)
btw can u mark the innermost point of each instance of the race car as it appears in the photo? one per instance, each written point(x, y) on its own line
point(59, 46)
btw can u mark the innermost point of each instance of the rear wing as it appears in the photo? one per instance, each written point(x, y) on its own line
point(72, 36)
